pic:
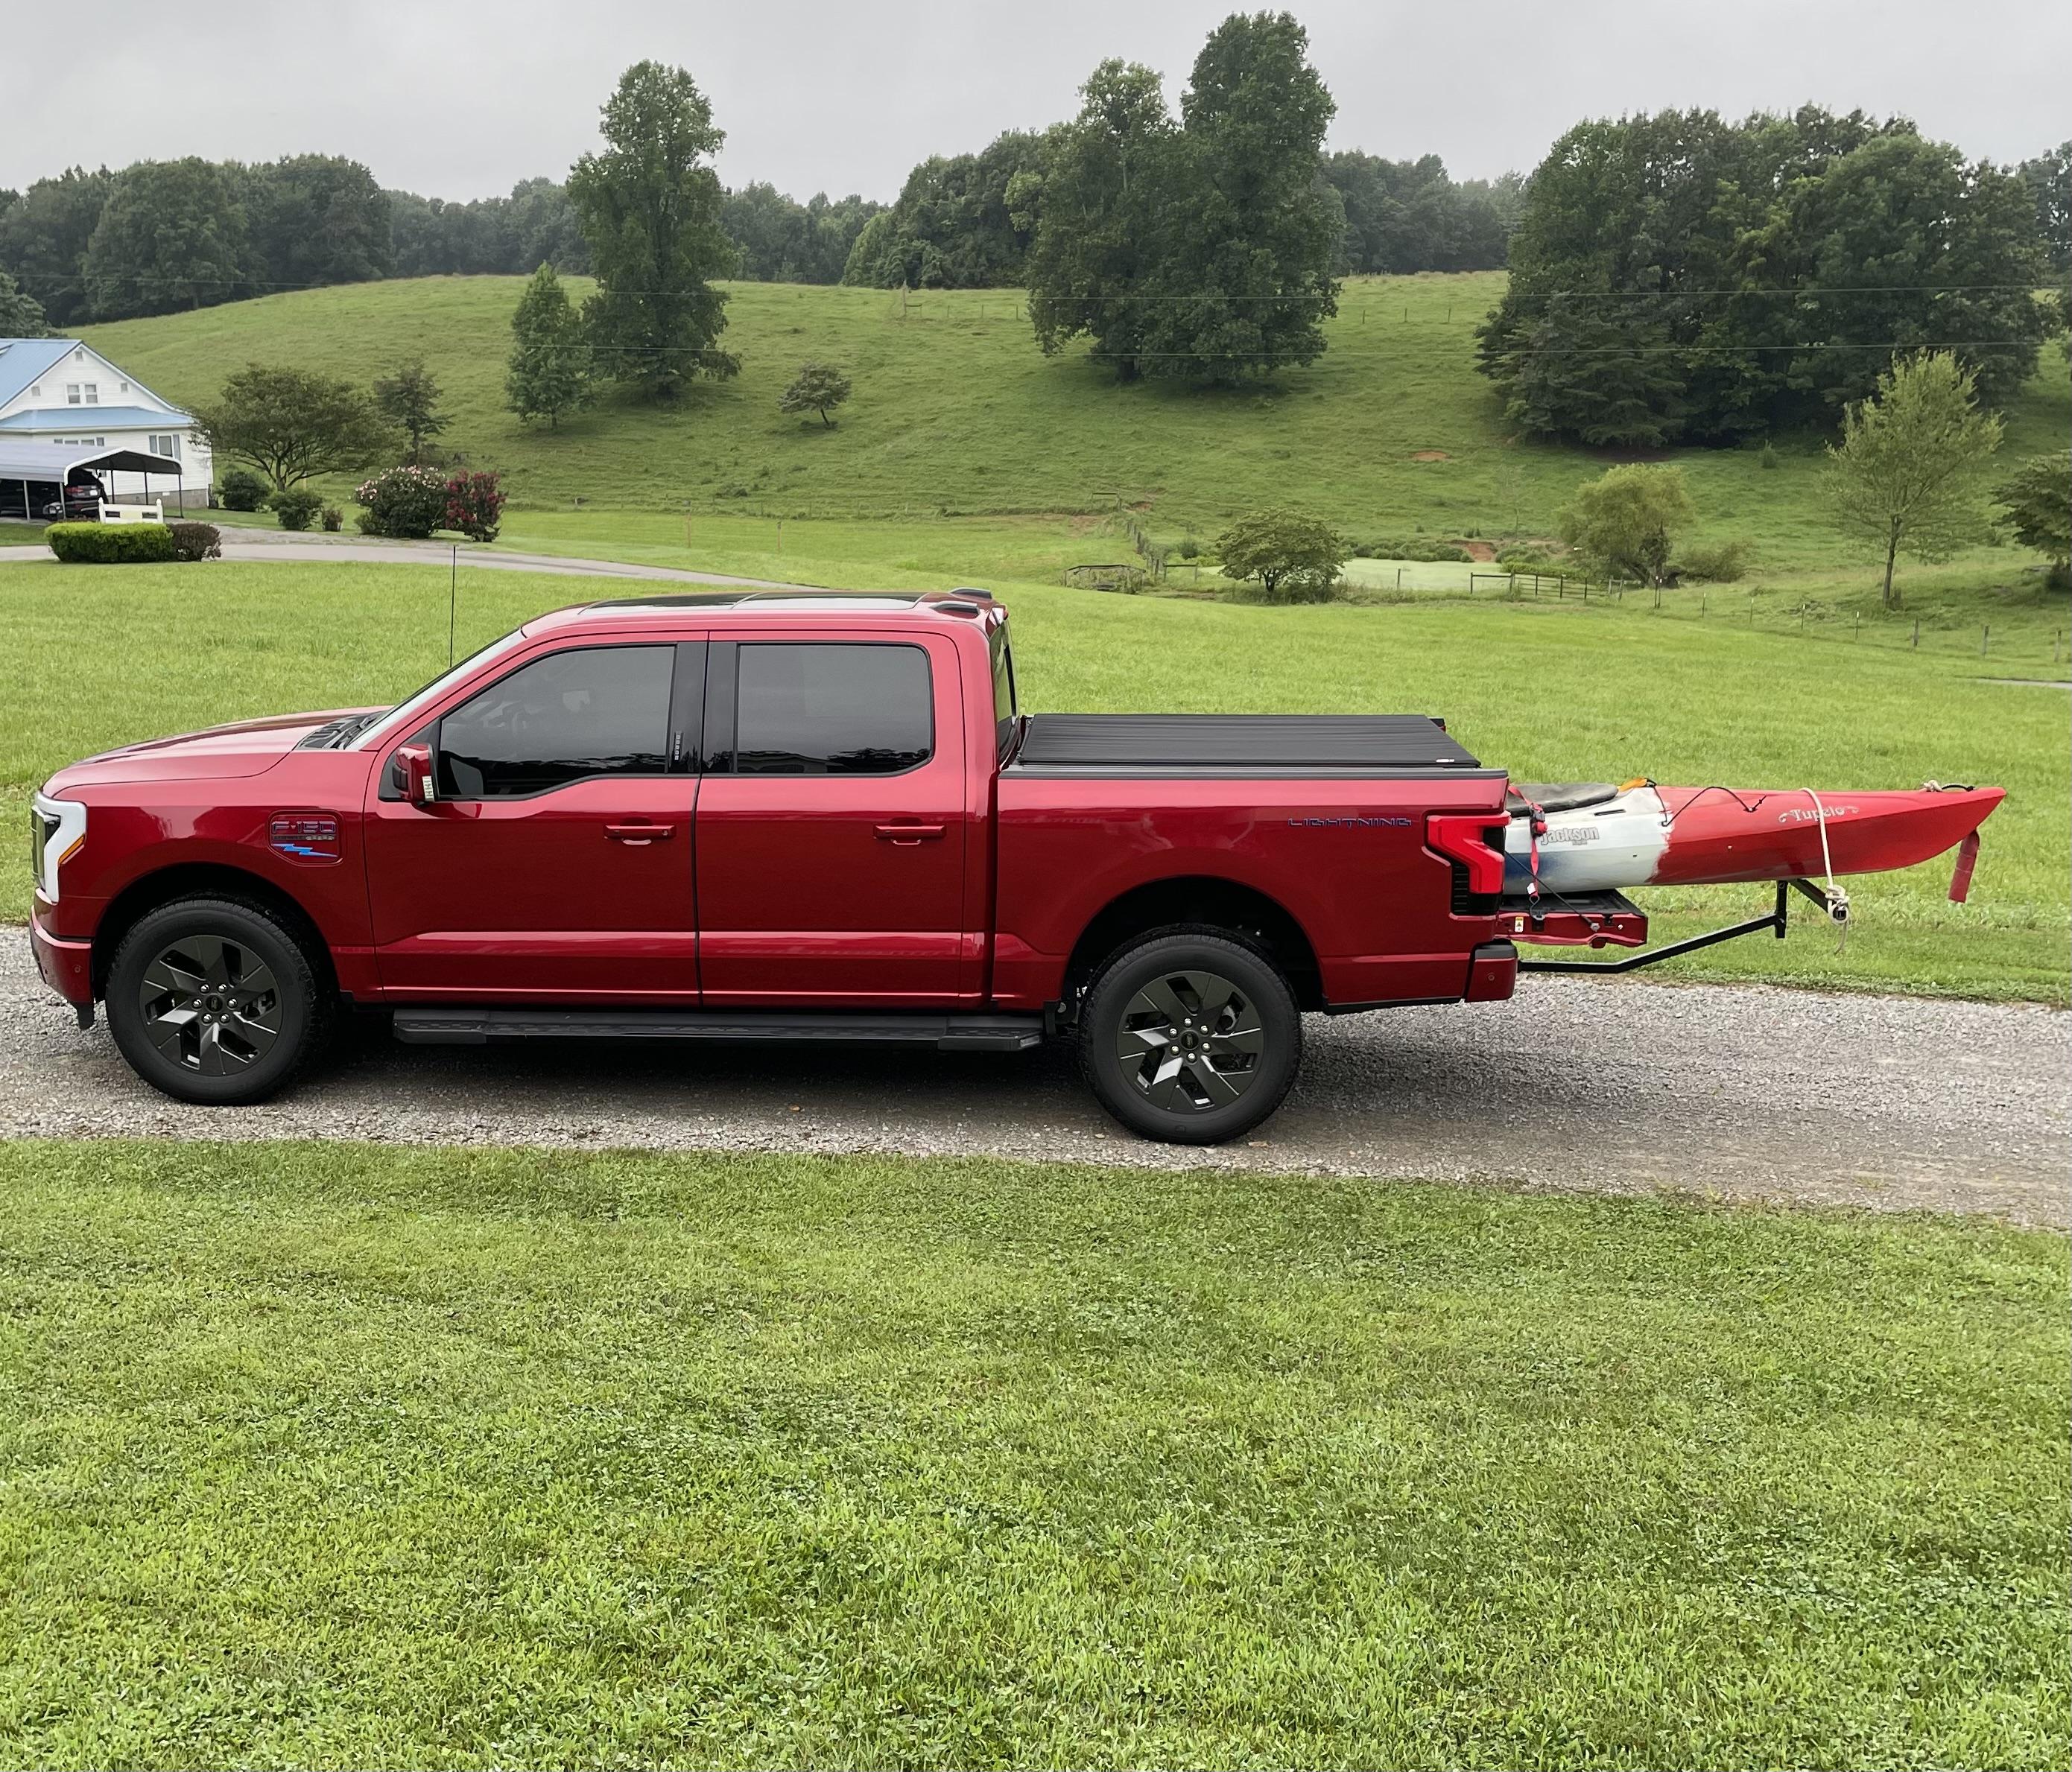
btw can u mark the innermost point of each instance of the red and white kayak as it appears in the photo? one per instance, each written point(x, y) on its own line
point(1594, 837)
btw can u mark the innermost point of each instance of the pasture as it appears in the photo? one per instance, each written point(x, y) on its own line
point(1554, 692)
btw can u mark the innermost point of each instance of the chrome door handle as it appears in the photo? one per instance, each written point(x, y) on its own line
point(905, 836)
point(639, 835)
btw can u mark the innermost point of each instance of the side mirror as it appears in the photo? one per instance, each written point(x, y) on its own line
point(414, 763)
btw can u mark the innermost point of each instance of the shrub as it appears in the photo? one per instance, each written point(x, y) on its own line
point(1722, 563)
point(111, 544)
point(196, 541)
point(475, 506)
point(1189, 549)
point(405, 503)
point(331, 518)
point(1532, 559)
point(242, 490)
point(1766, 457)
point(297, 507)
point(1421, 548)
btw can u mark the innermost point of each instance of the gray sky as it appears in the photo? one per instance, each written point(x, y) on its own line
point(463, 99)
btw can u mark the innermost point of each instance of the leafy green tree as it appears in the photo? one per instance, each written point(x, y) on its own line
point(650, 205)
point(2049, 176)
point(2037, 498)
point(291, 424)
point(1625, 522)
point(409, 401)
point(172, 235)
point(544, 229)
point(43, 239)
point(1908, 473)
point(1292, 557)
point(1406, 215)
point(957, 224)
point(817, 388)
point(21, 315)
point(1599, 374)
point(316, 219)
point(549, 371)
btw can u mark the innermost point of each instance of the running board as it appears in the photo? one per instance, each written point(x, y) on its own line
point(980, 1033)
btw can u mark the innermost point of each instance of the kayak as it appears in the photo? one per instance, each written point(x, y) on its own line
point(1595, 837)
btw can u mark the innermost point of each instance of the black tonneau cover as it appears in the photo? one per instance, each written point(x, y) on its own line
point(1213, 744)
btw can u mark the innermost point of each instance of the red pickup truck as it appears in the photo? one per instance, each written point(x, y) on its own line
point(764, 815)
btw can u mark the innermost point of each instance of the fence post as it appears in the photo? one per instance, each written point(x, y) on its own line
point(1858, 633)
point(1751, 609)
point(1398, 581)
point(1985, 640)
point(1917, 633)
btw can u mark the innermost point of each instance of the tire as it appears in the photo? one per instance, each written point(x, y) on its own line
point(1226, 1003)
point(214, 1000)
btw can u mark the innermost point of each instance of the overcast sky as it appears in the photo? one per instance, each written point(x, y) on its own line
point(462, 99)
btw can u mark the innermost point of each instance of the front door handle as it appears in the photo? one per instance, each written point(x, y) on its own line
point(905, 836)
point(639, 835)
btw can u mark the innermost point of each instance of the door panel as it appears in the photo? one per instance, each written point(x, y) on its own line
point(845, 885)
point(532, 881)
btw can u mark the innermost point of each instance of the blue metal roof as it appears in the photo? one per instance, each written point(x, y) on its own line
point(25, 360)
point(96, 419)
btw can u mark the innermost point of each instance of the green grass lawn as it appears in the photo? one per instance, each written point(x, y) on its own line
point(1555, 692)
point(956, 411)
point(337, 1455)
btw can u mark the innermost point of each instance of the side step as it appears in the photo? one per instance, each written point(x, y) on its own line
point(477, 1026)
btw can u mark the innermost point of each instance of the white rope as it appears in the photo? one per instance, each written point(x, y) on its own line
point(1838, 901)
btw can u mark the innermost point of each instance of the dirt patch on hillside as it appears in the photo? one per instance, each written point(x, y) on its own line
point(1480, 550)
point(1429, 455)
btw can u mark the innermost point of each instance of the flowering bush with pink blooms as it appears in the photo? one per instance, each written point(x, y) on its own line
point(402, 502)
point(475, 506)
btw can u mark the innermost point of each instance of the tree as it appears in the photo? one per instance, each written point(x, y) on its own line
point(549, 362)
point(43, 239)
point(818, 387)
point(316, 219)
point(650, 205)
point(21, 315)
point(2038, 497)
point(1626, 522)
point(172, 235)
point(2049, 176)
point(958, 225)
point(1405, 215)
point(409, 401)
point(290, 423)
point(1294, 557)
point(1907, 475)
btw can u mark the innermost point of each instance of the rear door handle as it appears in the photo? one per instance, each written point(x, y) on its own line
point(639, 833)
point(907, 834)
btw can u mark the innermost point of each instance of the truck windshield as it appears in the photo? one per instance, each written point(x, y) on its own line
point(402, 712)
point(1003, 692)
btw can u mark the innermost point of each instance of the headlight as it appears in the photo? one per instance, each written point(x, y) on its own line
point(56, 829)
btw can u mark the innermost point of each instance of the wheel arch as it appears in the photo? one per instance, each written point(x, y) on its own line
point(1199, 901)
point(205, 879)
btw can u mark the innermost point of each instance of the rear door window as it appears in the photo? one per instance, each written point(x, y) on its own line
point(812, 708)
point(587, 711)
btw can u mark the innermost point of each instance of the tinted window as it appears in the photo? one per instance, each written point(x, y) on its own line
point(832, 710)
point(594, 710)
point(1003, 692)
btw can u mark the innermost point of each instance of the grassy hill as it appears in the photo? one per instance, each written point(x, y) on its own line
point(957, 412)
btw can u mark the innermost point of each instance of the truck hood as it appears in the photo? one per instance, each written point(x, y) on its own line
point(245, 747)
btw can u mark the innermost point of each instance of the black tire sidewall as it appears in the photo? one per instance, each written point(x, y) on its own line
point(1244, 965)
point(302, 1020)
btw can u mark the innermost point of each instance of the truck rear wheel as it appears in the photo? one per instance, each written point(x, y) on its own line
point(212, 1000)
point(1190, 1037)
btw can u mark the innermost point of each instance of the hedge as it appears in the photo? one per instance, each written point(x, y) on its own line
point(111, 544)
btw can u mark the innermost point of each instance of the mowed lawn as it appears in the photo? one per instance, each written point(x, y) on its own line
point(347, 1456)
point(1391, 432)
point(103, 656)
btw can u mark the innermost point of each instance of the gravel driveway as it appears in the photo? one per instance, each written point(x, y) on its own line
point(1600, 1086)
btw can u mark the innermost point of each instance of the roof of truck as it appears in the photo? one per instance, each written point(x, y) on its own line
point(759, 605)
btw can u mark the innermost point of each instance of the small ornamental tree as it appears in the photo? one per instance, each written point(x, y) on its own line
point(405, 504)
point(1293, 557)
point(2037, 498)
point(1908, 475)
point(475, 506)
point(1625, 523)
point(409, 401)
point(291, 424)
point(550, 358)
point(818, 387)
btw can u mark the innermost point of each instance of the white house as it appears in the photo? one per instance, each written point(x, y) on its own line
point(61, 391)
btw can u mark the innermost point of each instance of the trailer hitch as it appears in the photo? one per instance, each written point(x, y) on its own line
point(1834, 906)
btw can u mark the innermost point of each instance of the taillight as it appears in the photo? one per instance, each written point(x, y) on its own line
point(1475, 840)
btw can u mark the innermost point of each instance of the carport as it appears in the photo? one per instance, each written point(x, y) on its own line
point(32, 474)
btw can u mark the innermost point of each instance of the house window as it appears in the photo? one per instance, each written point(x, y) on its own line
point(93, 393)
point(166, 445)
point(71, 393)
point(35, 390)
point(123, 386)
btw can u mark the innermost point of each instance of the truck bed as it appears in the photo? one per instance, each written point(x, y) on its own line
point(1226, 743)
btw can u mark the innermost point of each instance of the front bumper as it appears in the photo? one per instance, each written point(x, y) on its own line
point(67, 967)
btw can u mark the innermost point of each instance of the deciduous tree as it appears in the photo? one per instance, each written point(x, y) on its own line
point(1292, 557)
point(650, 205)
point(290, 423)
point(549, 371)
point(172, 235)
point(409, 401)
point(2037, 498)
point(818, 387)
point(1626, 523)
point(44, 236)
point(1908, 474)
point(21, 315)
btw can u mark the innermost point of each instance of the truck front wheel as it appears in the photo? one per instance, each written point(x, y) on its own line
point(1190, 1037)
point(211, 1000)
